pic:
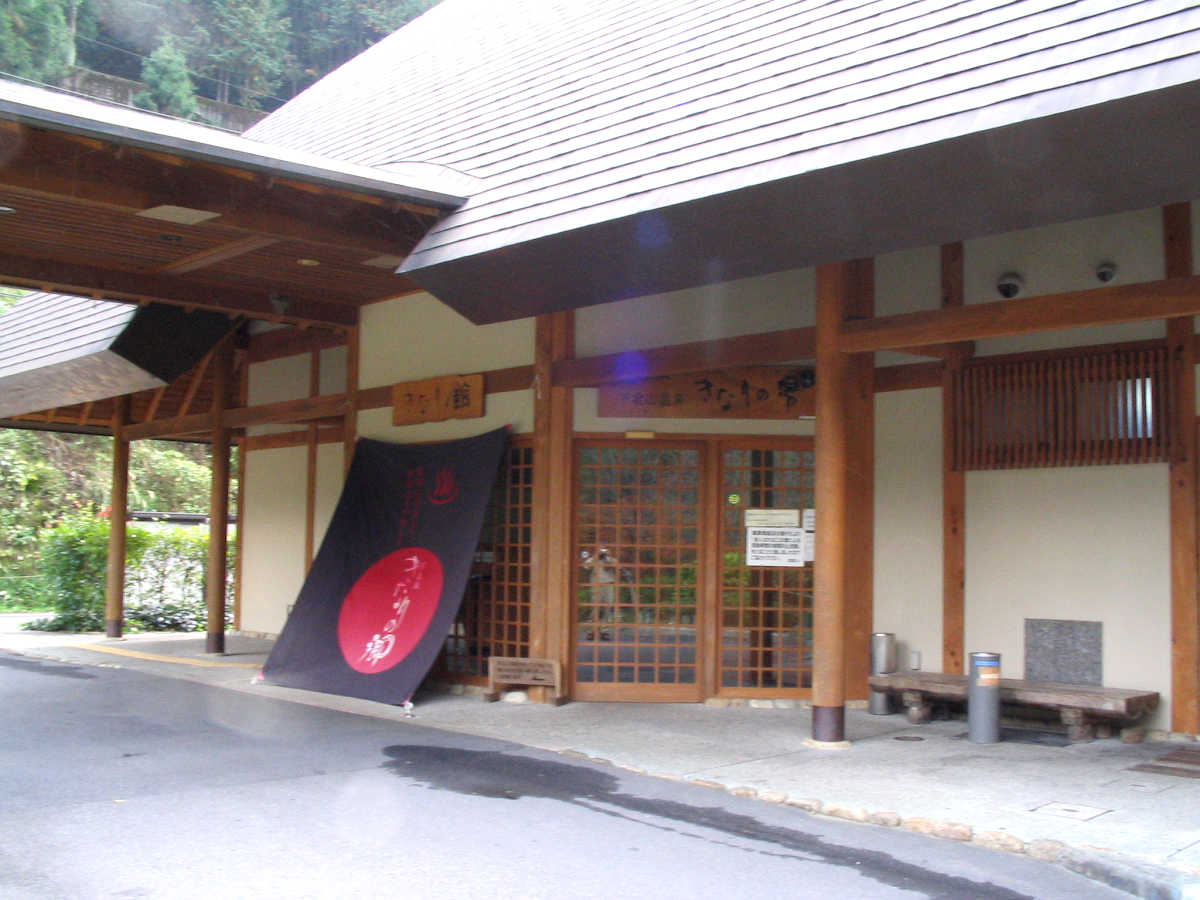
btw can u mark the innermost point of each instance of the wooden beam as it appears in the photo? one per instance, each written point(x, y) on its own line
point(909, 377)
point(954, 483)
point(119, 284)
point(350, 423)
point(218, 504)
point(1185, 609)
point(114, 585)
point(55, 166)
point(325, 435)
point(679, 359)
point(282, 342)
point(859, 407)
point(219, 254)
point(1177, 296)
point(833, 458)
point(553, 416)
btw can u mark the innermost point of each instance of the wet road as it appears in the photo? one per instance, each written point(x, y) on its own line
point(114, 783)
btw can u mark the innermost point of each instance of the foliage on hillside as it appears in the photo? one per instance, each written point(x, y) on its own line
point(254, 53)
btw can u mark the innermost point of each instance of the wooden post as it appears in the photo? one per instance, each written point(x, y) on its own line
point(350, 428)
point(859, 405)
point(1185, 611)
point(218, 505)
point(954, 486)
point(312, 444)
point(550, 625)
point(114, 586)
point(834, 284)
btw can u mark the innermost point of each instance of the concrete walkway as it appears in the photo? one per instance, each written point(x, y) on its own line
point(1083, 805)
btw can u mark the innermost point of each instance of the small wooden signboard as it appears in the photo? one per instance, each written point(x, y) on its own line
point(437, 399)
point(751, 392)
point(508, 670)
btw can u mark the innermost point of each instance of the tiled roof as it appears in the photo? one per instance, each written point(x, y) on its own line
point(575, 112)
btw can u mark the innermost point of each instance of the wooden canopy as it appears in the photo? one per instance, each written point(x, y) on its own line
point(111, 202)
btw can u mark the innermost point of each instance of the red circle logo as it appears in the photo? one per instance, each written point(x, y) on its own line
point(389, 609)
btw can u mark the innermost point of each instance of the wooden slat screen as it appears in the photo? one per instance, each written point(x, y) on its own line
point(1071, 410)
point(494, 617)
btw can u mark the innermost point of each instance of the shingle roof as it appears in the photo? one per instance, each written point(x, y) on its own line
point(578, 112)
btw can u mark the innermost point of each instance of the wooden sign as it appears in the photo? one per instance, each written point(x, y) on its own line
point(509, 670)
point(437, 399)
point(756, 392)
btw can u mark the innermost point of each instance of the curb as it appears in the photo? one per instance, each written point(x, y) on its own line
point(1133, 876)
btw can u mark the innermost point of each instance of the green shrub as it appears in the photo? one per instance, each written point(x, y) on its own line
point(164, 577)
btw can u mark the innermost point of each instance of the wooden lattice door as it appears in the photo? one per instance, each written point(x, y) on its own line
point(638, 546)
point(766, 611)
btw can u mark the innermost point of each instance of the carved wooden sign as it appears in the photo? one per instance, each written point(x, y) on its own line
point(437, 399)
point(753, 392)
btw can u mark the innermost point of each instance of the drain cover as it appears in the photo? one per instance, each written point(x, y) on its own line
point(907, 737)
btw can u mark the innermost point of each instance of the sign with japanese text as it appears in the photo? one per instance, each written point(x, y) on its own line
point(775, 547)
point(437, 399)
point(753, 392)
point(385, 586)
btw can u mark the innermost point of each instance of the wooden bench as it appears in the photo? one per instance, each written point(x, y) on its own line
point(1084, 708)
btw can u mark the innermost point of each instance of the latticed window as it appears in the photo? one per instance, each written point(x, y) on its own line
point(494, 617)
point(1076, 409)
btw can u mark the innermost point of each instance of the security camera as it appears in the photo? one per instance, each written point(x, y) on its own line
point(1009, 285)
point(1106, 272)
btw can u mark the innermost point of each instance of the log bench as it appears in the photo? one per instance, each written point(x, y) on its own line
point(1085, 709)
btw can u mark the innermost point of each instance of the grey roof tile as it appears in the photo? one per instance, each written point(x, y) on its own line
point(574, 112)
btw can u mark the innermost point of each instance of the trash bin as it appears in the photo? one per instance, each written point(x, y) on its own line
point(883, 660)
point(983, 699)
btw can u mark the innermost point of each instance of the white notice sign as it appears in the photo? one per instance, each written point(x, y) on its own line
point(772, 518)
point(775, 547)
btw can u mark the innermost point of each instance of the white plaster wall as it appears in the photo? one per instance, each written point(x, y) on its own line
point(418, 336)
point(330, 478)
point(1087, 543)
point(333, 371)
point(908, 522)
point(273, 562)
point(747, 306)
point(1064, 257)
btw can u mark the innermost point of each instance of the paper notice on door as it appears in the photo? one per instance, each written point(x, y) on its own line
point(775, 547)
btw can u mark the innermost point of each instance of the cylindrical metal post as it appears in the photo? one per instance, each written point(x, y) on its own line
point(983, 699)
point(883, 660)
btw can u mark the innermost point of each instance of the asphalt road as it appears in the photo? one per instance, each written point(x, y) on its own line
point(118, 784)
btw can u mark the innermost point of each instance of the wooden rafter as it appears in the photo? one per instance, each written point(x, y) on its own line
point(218, 254)
point(58, 165)
point(95, 280)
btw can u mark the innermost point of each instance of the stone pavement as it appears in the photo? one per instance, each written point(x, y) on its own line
point(1081, 805)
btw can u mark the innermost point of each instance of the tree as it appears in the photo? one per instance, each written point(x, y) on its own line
point(168, 86)
point(36, 38)
point(329, 32)
point(247, 49)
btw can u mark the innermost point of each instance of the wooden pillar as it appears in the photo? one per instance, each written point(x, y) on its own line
point(311, 445)
point(835, 282)
point(954, 486)
point(550, 625)
point(218, 504)
point(1185, 611)
point(859, 405)
point(114, 587)
point(350, 428)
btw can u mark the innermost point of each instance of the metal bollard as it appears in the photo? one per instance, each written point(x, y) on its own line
point(983, 699)
point(883, 660)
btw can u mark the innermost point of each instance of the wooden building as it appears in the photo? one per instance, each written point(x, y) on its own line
point(926, 269)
